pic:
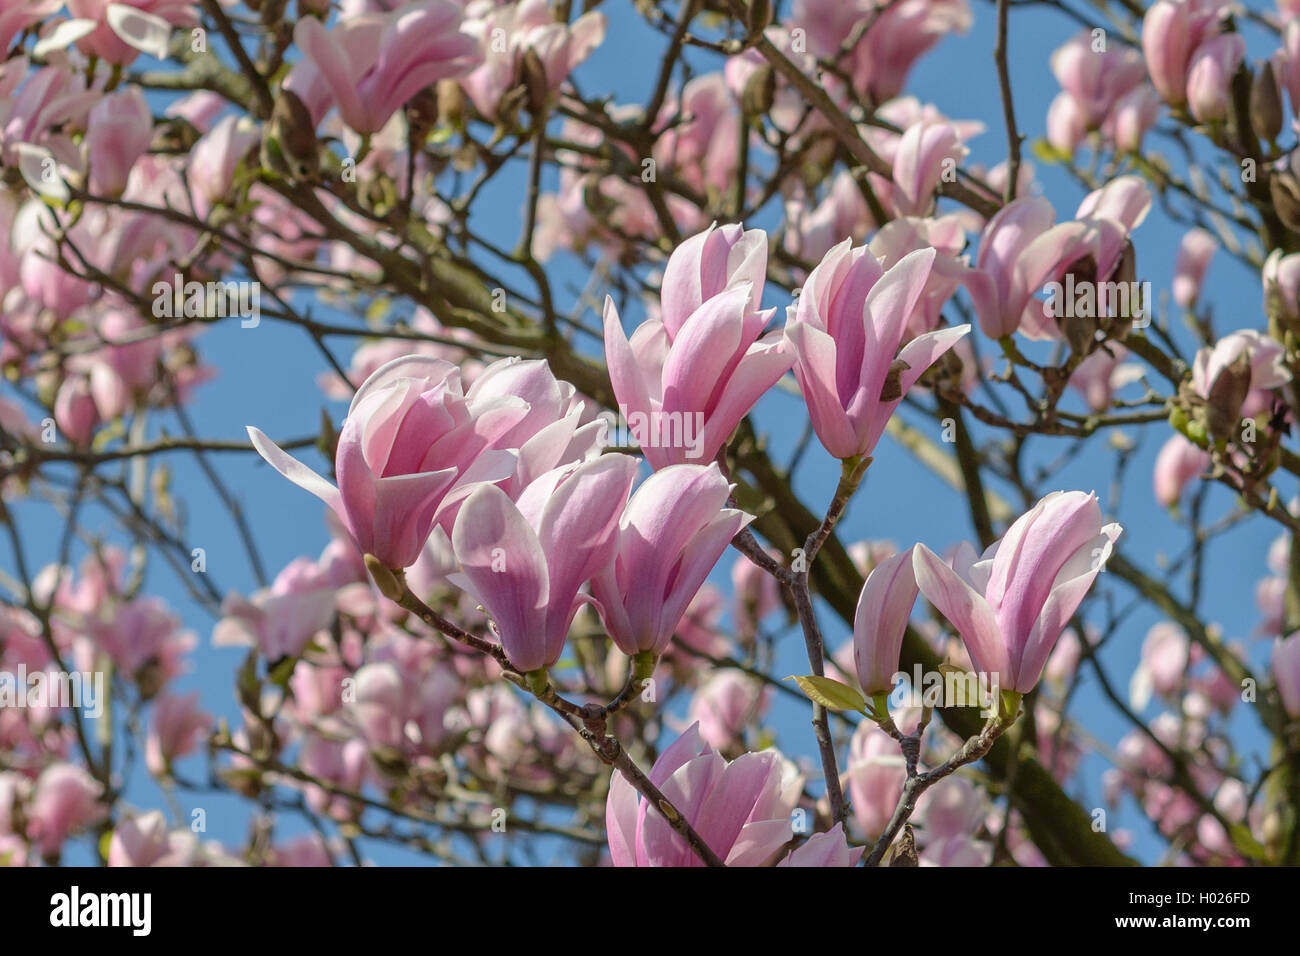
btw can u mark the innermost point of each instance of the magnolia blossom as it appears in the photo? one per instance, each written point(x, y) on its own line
point(525, 561)
point(505, 33)
point(1166, 653)
point(117, 134)
point(1265, 356)
point(723, 706)
point(1021, 250)
point(1194, 253)
point(145, 840)
point(1172, 32)
point(412, 447)
point(825, 849)
point(281, 619)
point(740, 808)
point(174, 730)
point(685, 380)
point(927, 152)
point(1178, 462)
point(1209, 76)
point(880, 622)
point(1011, 604)
point(1093, 84)
point(370, 65)
point(845, 334)
point(65, 799)
point(1103, 373)
point(875, 774)
point(669, 538)
point(1286, 672)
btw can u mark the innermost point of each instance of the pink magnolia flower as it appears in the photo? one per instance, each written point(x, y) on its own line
point(1103, 373)
point(880, 622)
point(506, 32)
point(123, 29)
point(1132, 118)
point(724, 705)
point(702, 138)
point(740, 808)
point(559, 428)
point(953, 807)
point(1162, 668)
point(812, 228)
point(372, 64)
point(281, 619)
point(1022, 249)
point(143, 638)
point(685, 380)
point(64, 800)
point(756, 594)
point(927, 151)
point(525, 562)
point(174, 731)
point(950, 269)
point(1066, 126)
point(74, 410)
point(875, 775)
point(670, 536)
point(845, 334)
point(717, 260)
point(1286, 672)
point(1096, 80)
point(1011, 605)
point(1194, 253)
point(145, 840)
point(830, 848)
point(1172, 30)
point(380, 705)
point(1281, 279)
point(899, 34)
point(1209, 76)
point(1267, 361)
point(1178, 462)
point(118, 133)
point(214, 158)
point(343, 763)
point(412, 446)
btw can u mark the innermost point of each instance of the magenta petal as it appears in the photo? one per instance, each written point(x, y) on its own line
point(762, 366)
point(815, 368)
point(503, 561)
point(880, 622)
point(966, 610)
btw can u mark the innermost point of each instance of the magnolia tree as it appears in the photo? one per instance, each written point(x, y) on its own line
point(580, 601)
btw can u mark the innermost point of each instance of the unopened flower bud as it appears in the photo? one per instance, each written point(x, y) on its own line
point(289, 145)
point(760, 90)
point(451, 101)
point(1266, 104)
point(422, 114)
point(532, 72)
point(1227, 393)
point(1285, 193)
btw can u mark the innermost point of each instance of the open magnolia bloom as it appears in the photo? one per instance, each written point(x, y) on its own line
point(1011, 604)
point(412, 447)
point(740, 808)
